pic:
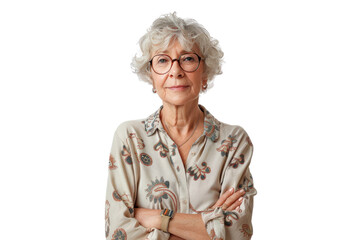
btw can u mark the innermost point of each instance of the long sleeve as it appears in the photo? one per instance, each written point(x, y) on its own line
point(234, 224)
point(120, 223)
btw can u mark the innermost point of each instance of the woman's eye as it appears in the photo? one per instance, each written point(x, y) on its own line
point(188, 59)
point(162, 60)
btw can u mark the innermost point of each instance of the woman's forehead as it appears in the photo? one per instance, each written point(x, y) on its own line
point(167, 49)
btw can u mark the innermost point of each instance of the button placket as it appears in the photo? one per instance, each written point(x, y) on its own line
point(184, 191)
point(179, 170)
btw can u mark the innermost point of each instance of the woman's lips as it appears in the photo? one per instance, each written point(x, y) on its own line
point(179, 87)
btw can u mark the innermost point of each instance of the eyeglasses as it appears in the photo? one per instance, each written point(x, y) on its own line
point(162, 63)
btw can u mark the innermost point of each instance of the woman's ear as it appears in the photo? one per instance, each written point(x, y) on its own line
point(204, 77)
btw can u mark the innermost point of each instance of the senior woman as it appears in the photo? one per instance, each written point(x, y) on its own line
point(180, 173)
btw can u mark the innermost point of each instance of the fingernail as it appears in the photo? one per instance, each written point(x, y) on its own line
point(242, 191)
point(237, 208)
point(240, 199)
point(231, 190)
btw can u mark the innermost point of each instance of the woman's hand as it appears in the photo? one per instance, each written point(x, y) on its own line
point(148, 218)
point(230, 200)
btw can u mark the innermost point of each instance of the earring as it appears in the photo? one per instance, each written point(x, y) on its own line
point(205, 86)
point(154, 90)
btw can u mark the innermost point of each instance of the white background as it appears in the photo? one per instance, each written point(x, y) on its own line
point(291, 77)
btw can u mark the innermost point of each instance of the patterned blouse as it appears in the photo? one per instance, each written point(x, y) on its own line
point(146, 170)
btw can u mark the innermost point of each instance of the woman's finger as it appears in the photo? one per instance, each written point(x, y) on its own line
point(235, 205)
point(223, 198)
point(233, 200)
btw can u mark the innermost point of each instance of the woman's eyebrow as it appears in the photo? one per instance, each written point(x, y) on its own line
point(167, 52)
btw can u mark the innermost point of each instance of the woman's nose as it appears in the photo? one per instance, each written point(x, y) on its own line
point(176, 70)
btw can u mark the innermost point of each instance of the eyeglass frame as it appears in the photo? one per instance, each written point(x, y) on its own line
point(172, 62)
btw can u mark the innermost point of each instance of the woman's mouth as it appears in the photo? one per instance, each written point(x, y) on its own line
point(179, 87)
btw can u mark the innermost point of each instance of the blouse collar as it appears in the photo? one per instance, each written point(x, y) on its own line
point(211, 124)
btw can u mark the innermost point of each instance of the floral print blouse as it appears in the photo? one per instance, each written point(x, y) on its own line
point(146, 170)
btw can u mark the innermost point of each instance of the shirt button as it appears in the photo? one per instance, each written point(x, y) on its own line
point(193, 153)
point(184, 202)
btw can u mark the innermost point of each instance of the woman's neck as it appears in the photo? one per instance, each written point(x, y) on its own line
point(181, 118)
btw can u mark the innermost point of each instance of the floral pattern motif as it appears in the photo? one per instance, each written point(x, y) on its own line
point(119, 234)
point(211, 127)
point(139, 142)
point(152, 122)
point(247, 184)
point(125, 198)
point(112, 163)
point(199, 172)
point(227, 146)
point(162, 148)
point(246, 230)
point(159, 190)
point(145, 159)
point(236, 161)
point(125, 155)
point(229, 216)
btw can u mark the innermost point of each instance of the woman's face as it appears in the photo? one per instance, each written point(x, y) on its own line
point(178, 87)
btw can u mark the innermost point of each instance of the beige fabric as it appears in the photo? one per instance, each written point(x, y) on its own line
point(146, 170)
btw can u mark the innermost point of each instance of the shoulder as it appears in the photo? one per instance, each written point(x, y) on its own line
point(235, 132)
point(227, 129)
point(139, 128)
point(126, 128)
point(222, 130)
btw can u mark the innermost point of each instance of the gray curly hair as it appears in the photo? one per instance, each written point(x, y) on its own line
point(188, 32)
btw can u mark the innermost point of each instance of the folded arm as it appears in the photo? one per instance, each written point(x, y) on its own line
point(189, 226)
point(120, 195)
point(224, 224)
